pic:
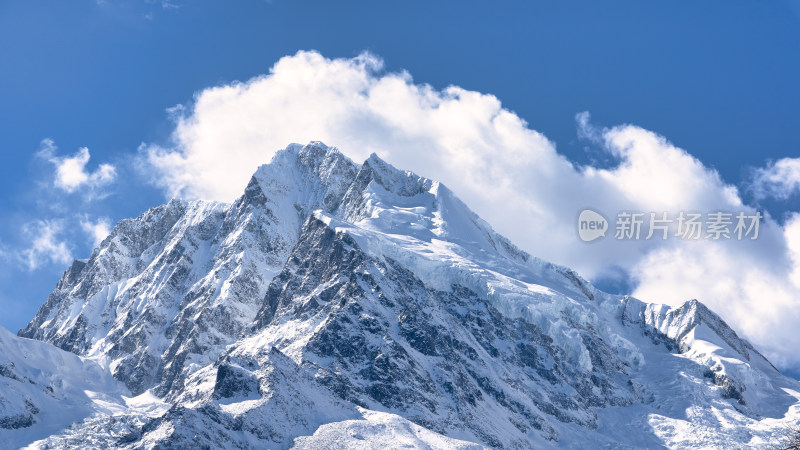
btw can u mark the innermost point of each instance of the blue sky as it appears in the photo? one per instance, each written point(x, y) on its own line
point(717, 78)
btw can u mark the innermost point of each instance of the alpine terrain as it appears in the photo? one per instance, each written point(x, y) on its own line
point(345, 305)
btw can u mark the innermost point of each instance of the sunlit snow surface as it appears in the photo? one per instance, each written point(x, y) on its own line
point(685, 379)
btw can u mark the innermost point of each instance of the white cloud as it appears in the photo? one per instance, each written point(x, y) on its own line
point(780, 179)
point(45, 241)
point(792, 232)
point(97, 230)
point(170, 5)
point(509, 173)
point(70, 171)
point(45, 245)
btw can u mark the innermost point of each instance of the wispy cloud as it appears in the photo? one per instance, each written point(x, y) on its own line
point(145, 8)
point(45, 244)
point(586, 130)
point(165, 4)
point(779, 179)
point(51, 236)
point(70, 172)
point(96, 230)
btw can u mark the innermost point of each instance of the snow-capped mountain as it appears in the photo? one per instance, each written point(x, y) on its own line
point(357, 305)
point(171, 288)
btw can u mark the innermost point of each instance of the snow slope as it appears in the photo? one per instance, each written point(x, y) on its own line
point(44, 389)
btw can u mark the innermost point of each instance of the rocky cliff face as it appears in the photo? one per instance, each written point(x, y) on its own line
point(174, 286)
point(334, 296)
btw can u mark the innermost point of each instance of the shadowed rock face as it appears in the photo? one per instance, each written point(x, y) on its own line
point(330, 287)
point(16, 422)
point(443, 358)
point(234, 381)
point(20, 420)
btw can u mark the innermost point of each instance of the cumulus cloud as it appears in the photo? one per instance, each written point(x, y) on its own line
point(96, 230)
point(780, 179)
point(70, 171)
point(45, 244)
point(506, 171)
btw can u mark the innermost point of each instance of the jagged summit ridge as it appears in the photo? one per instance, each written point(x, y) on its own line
point(184, 279)
point(194, 273)
point(371, 293)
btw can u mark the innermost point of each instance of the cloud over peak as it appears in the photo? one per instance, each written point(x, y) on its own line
point(508, 172)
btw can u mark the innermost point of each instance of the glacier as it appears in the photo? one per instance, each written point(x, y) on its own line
point(339, 305)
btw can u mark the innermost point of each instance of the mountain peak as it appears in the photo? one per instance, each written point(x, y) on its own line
point(331, 290)
point(400, 182)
